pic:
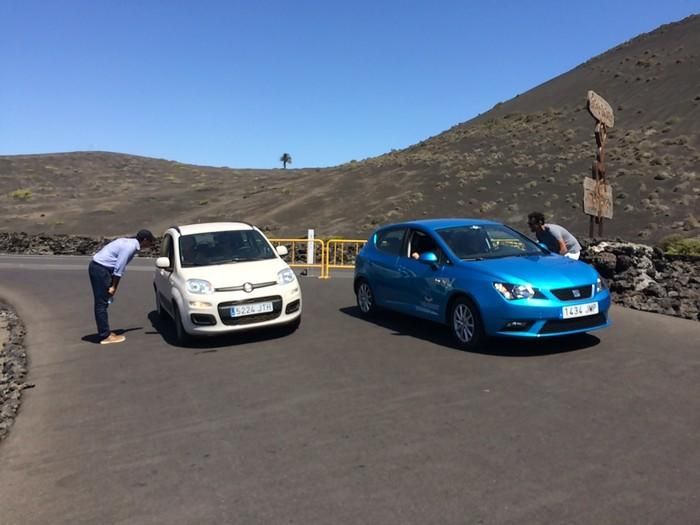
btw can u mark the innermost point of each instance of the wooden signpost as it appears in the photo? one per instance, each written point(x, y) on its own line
point(597, 193)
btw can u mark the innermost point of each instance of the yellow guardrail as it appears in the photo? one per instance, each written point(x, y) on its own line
point(297, 256)
point(341, 253)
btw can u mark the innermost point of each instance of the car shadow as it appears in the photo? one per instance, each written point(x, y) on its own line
point(95, 338)
point(165, 328)
point(404, 325)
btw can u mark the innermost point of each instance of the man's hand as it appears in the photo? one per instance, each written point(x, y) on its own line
point(112, 290)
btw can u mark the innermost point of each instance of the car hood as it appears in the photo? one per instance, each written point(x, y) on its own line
point(236, 274)
point(541, 271)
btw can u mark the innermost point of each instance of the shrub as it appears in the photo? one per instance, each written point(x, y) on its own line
point(679, 245)
point(21, 194)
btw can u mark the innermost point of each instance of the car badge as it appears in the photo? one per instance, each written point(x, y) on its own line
point(576, 293)
point(248, 287)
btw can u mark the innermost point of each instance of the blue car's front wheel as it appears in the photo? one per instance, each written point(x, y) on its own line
point(466, 324)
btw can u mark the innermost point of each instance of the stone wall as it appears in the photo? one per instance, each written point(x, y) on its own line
point(642, 277)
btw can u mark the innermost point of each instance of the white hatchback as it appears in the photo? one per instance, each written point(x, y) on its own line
point(220, 277)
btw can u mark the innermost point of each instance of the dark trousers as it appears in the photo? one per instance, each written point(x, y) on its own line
point(101, 280)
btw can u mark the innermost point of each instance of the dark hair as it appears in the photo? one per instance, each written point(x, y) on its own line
point(145, 235)
point(535, 217)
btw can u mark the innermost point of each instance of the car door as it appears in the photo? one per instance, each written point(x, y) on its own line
point(422, 288)
point(164, 275)
point(382, 270)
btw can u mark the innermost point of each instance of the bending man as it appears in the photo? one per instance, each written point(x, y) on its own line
point(106, 270)
point(556, 238)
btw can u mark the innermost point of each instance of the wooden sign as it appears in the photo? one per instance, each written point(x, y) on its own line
point(600, 109)
point(597, 198)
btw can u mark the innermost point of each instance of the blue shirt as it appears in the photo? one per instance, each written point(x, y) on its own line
point(117, 254)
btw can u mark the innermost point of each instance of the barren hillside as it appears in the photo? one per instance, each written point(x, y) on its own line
point(531, 152)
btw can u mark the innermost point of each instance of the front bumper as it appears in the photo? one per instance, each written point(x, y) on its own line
point(210, 315)
point(534, 318)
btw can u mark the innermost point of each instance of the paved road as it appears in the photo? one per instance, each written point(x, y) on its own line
point(344, 421)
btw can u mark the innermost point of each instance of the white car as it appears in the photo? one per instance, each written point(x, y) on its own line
point(223, 277)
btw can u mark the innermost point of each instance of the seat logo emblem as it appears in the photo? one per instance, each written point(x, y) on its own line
point(576, 293)
point(248, 287)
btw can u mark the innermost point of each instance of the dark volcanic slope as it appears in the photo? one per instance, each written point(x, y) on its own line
point(531, 152)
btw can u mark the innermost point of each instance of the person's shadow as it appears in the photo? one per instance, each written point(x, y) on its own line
point(164, 327)
point(95, 338)
point(407, 326)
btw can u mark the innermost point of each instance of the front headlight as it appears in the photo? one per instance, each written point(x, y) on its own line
point(600, 284)
point(199, 286)
point(285, 276)
point(514, 291)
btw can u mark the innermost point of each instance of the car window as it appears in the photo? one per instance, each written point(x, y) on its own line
point(390, 241)
point(166, 248)
point(205, 249)
point(419, 243)
point(487, 242)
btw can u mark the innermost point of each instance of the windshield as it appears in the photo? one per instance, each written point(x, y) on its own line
point(205, 249)
point(488, 241)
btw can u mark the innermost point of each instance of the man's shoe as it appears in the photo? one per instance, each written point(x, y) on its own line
point(113, 338)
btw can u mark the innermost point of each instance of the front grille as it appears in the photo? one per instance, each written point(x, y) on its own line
point(241, 287)
point(567, 325)
point(570, 294)
point(225, 311)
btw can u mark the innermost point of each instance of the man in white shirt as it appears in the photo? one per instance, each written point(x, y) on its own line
point(106, 270)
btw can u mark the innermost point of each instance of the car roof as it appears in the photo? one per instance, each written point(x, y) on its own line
point(207, 227)
point(437, 224)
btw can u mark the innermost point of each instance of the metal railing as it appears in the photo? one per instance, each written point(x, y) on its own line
point(298, 253)
point(341, 253)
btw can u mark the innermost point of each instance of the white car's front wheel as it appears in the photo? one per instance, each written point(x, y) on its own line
point(181, 336)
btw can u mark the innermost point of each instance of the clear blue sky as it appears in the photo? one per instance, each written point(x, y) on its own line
point(237, 83)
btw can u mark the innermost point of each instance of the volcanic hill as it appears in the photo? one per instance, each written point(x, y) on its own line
point(531, 152)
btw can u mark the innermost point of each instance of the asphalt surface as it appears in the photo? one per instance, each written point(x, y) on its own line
point(345, 421)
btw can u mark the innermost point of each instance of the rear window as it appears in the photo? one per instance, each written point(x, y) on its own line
point(390, 241)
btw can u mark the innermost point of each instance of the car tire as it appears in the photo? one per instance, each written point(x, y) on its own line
point(181, 336)
point(465, 324)
point(365, 298)
point(160, 311)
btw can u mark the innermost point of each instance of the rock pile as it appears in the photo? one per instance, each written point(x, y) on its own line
point(13, 367)
point(24, 243)
point(642, 277)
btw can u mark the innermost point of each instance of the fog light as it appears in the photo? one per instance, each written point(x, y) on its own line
point(199, 304)
point(517, 326)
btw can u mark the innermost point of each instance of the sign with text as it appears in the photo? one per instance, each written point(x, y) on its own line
point(597, 198)
point(600, 109)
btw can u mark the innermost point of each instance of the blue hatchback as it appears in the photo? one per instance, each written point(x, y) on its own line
point(479, 277)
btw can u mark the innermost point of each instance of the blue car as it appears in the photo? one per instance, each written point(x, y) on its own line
point(479, 277)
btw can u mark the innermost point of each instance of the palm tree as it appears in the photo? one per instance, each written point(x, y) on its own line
point(285, 159)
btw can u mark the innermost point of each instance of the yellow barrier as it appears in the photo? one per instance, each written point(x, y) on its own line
point(297, 253)
point(339, 252)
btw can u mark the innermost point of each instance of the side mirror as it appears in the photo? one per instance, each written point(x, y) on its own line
point(163, 263)
point(544, 247)
point(428, 258)
point(282, 250)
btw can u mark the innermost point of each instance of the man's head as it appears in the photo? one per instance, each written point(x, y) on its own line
point(145, 238)
point(535, 221)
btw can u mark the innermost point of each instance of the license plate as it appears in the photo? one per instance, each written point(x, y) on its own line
point(579, 310)
point(250, 309)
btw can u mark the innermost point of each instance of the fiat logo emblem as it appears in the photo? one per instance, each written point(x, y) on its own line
point(248, 287)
